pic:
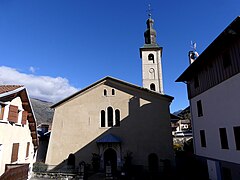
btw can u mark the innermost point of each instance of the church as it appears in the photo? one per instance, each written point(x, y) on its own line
point(115, 120)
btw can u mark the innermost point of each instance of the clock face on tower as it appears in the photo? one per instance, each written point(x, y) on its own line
point(151, 70)
point(151, 73)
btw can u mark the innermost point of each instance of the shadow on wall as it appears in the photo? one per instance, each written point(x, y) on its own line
point(138, 133)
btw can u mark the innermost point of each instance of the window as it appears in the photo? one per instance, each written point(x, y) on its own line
point(226, 59)
point(13, 114)
point(117, 118)
point(151, 57)
point(27, 149)
point(105, 92)
point(196, 82)
point(152, 87)
point(102, 118)
point(1, 111)
point(223, 138)
point(199, 108)
point(110, 116)
point(203, 139)
point(71, 160)
point(237, 136)
point(15, 149)
point(113, 92)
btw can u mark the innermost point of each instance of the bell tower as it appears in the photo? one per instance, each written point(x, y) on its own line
point(151, 55)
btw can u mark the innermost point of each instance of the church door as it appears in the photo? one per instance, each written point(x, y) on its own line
point(153, 162)
point(110, 156)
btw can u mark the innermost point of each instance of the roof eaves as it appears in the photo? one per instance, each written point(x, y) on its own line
point(113, 79)
point(12, 92)
point(78, 92)
point(141, 88)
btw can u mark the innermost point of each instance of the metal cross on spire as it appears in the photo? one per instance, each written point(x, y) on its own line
point(149, 11)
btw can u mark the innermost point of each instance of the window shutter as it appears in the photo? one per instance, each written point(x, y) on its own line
point(13, 114)
point(24, 117)
point(27, 150)
point(15, 152)
point(1, 111)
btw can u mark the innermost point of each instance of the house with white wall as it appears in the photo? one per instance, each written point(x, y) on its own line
point(18, 135)
point(213, 83)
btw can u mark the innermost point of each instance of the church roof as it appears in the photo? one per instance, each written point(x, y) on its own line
point(109, 138)
point(108, 78)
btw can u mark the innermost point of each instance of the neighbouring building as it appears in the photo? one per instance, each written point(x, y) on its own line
point(18, 133)
point(175, 123)
point(181, 123)
point(44, 133)
point(213, 82)
point(113, 119)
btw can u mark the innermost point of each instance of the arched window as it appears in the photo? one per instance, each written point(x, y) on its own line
point(152, 87)
point(102, 118)
point(117, 117)
point(113, 91)
point(105, 92)
point(110, 116)
point(151, 57)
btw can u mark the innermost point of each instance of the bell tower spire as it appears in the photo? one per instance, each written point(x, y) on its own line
point(150, 33)
point(151, 55)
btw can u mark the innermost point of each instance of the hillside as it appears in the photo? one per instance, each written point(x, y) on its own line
point(42, 111)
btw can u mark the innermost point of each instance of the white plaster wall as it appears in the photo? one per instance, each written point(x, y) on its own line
point(221, 109)
point(10, 134)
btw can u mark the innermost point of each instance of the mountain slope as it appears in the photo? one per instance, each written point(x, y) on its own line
point(42, 111)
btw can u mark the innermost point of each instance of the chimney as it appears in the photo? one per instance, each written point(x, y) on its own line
point(192, 55)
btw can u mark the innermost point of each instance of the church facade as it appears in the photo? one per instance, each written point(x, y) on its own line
point(114, 119)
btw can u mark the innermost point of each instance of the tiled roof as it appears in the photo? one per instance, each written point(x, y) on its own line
point(7, 88)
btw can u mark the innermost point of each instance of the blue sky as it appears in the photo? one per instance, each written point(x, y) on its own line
point(55, 47)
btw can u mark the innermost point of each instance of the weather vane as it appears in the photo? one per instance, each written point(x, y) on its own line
point(194, 45)
point(149, 11)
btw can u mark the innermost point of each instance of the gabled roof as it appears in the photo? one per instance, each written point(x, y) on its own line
point(8, 93)
point(116, 81)
point(230, 34)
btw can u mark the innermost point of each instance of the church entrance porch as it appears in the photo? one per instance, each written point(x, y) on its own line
point(110, 152)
